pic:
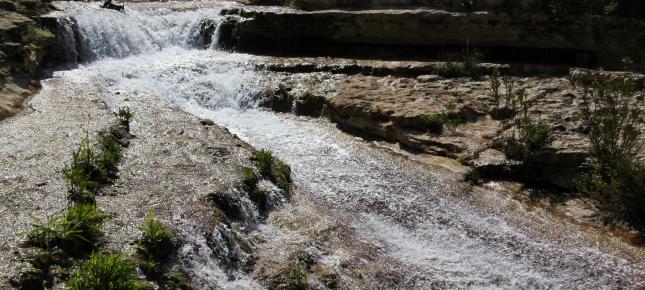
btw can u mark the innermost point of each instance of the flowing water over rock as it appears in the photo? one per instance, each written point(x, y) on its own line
point(435, 230)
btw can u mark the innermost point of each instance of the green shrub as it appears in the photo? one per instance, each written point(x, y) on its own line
point(448, 118)
point(156, 239)
point(125, 116)
point(92, 168)
point(509, 95)
point(274, 169)
point(299, 276)
point(250, 180)
point(103, 271)
point(615, 122)
point(108, 160)
point(532, 139)
point(76, 231)
point(614, 119)
point(620, 190)
point(494, 87)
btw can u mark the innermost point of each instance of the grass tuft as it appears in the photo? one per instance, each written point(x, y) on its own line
point(156, 239)
point(77, 231)
point(125, 116)
point(104, 271)
point(274, 169)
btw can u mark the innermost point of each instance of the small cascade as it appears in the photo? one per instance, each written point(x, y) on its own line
point(92, 33)
point(216, 37)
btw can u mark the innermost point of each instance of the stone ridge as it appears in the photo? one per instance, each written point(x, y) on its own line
point(589, 40)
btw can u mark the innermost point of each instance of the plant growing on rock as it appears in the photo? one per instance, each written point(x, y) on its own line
point(299, 276)
point(105, 271)
point(125, 116)
point(495, 84)
point(77, 231)
point(153, 246)
point(92, 168)
point(465, 63)
point(274, 169)
point(250, 180)
point(533, 139)
point(615, 124)
point(447, 118)
point(509, 95)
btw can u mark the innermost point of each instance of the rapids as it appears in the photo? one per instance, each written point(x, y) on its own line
point(439, 231)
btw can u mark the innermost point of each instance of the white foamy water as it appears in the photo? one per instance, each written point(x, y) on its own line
point(436, 230)
point(92, 33)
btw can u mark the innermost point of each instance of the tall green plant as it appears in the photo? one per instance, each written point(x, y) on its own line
point(495, 84)
point(613, 118)
point(615, 123)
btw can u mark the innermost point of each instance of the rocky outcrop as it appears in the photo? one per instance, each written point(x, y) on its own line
point(536, 38)
point(401, 110)
point(627, 8)
point(22, 47)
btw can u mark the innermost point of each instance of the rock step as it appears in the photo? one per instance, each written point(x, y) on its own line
point(424, 33)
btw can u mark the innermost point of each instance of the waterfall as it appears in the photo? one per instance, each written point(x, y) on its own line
point(92, 33)
point(216, 36)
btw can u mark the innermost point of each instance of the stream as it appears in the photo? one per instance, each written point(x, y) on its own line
point(438, 231)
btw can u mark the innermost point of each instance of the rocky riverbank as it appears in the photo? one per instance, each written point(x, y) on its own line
point(22, 48)
point(392, 101)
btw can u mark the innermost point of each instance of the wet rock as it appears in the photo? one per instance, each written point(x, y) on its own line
point(207, 122)
point(29, 278)
point(278, 99)
point(309, 105)
point(230, 204)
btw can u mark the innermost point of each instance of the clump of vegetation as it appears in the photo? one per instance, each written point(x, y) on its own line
point(495, 84)
point(125, 116)
point(154, 245)
point(106, 272)
point(82, 175)
point(92, 168)
point(299, 276)
point(511, 98)
point(615, 122)
point(274, 169)
point(250, 180)
point(449, 117)
point(509, 95)
point(76, 232)
point(110, 155)
point(532, 140)
point(465, 63)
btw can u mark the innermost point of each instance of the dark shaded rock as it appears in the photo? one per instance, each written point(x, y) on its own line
point(29, 278)
point(229, 204)
point(207, 122)
point(279, 100)
point(310, 105)
point(531, 38)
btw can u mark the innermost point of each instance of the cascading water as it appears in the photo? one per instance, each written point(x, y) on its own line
point(441, 236)
point(92, 33)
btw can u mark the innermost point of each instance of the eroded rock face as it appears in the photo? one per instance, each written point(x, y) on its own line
point(22, 48)
point(584, 39)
